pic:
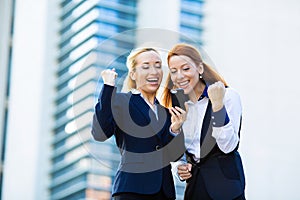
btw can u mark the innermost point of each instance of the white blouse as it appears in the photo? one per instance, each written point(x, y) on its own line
point(226, 136)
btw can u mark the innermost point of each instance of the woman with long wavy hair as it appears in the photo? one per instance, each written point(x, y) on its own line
point(213, 167)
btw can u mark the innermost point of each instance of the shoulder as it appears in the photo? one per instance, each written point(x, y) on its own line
point(232, 98)
point(117, 98)
point(231, 93)
point(121, 96)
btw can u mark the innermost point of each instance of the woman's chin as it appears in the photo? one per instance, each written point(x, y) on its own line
point(151, 88)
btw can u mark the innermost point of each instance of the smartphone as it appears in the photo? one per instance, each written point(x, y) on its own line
point(179, 98)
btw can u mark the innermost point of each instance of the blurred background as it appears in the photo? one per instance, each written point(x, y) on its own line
point(52, 50)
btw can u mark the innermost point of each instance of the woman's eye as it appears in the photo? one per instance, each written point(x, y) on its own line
point(158, 65)
point(173, 71)
point(186, 68)
point(145, 66)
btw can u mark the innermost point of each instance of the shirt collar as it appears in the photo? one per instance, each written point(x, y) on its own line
point(204, 93)
point(137, 92)
point(155, 100)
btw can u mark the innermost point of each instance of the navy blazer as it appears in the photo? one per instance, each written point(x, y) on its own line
point(222, 173)
point(145, 143)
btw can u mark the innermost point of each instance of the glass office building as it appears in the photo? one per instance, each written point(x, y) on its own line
point(81, 167)
point(191, 21)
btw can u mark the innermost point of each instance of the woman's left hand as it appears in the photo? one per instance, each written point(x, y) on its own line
point(178, 116)
point(216, 93)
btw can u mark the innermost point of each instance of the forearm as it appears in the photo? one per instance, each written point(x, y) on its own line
point(227, 122)
point(227, 139)
point(103, 124)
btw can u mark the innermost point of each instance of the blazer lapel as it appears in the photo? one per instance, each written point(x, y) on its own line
point(148, 114)
point(162, 116)
point(207, 142)
point(141, 105)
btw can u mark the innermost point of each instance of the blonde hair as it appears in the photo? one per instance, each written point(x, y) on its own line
point(131, 65)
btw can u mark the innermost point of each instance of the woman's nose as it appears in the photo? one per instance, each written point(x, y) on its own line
point(179, 75)
point(154, 70)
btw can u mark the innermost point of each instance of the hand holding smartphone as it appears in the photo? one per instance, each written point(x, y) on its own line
point(179, 98)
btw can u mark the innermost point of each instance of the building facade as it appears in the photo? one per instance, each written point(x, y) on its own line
point(81, 167)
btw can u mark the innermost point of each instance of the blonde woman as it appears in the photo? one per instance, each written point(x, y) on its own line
point(147, 134)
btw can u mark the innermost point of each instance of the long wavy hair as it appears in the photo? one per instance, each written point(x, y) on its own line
point(209, 75)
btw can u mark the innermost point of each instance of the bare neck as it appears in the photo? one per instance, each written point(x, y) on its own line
point(197, 92)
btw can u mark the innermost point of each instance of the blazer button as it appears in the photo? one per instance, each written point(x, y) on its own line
point(157, 147)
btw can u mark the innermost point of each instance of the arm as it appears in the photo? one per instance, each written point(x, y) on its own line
point(175, 136)
point(103, 125)
point(226, 122)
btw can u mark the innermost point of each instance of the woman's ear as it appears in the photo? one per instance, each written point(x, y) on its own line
point(132, 75)
point(200, 68)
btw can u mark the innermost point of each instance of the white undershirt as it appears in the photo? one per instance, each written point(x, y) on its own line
point(153, 107)
point(226, 136)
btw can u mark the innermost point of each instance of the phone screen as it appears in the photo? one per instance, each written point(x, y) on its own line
point(179, 98)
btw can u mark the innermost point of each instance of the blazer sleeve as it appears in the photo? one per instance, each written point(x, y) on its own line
point(174, 142)
point(227, 136)
point(103, 124)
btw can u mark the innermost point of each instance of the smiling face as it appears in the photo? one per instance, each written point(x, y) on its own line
point(184, 73)
point(148, 72)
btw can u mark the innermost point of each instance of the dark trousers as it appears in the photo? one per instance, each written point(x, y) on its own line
point(133, 196)
point(196, 190)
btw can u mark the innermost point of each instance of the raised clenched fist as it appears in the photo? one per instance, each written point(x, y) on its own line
point(109, 76)
point(216, 93)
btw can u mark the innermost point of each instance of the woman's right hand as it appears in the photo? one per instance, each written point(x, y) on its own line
point(109, 76)
point(178, 116)
point(184, 171)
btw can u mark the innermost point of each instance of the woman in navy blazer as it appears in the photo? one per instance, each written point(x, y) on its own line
point(211, 130)
point(147, 134)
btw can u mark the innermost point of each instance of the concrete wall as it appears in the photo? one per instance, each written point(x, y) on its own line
point(5, 41)
point(31, 101)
